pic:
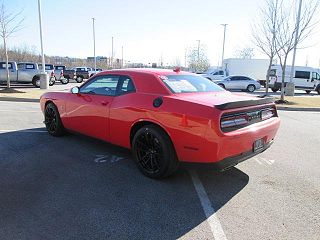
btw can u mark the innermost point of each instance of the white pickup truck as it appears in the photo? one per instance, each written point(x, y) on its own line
point(21, 73)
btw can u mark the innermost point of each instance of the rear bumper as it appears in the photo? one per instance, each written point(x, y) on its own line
point(234, 160)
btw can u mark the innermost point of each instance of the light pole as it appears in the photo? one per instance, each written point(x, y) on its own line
point(44, 81)
point(94, 46)
point(121, 56)
point(112, 52)
point(224, 41)
point(290, 86)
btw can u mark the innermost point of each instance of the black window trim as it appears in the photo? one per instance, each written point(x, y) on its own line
point(121, 79)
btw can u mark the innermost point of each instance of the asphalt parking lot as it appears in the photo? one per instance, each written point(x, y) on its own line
point(76, 187)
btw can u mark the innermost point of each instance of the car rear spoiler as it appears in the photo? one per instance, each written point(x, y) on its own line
point(247, 103)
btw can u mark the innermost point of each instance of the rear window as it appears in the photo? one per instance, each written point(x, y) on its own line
point(4, 66)
point(48, 67)
point(189, 83)
point(59, 67)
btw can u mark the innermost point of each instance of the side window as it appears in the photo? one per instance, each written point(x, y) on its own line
point(102, 85)
point(234, 78)
point(215, 73)
point(126, 86)
point(221, 72)
point(302, 74)
point(315, 76)
point(20, 66)
point(245, 78)
point(273, 72)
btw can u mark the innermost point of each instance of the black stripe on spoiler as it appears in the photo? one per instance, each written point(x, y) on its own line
point(247, 103)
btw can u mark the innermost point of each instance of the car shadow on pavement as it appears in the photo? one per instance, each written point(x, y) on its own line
point(75, 187)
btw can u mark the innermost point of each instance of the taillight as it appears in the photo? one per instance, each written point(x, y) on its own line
point(52, 74)
point(61, 73)
point(234, 121)
point(267, 113)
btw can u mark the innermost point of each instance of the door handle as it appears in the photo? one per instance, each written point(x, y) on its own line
point(104, 103)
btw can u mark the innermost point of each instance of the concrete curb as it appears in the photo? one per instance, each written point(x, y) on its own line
point(300, 109)
point(15, 99)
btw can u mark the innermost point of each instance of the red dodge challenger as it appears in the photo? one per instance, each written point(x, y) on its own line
point(165, 117)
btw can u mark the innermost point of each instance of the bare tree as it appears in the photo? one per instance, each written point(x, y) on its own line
point(10, 23)
point(288, 27)
point(245, 53)
point(264, 33)
point(197, 59)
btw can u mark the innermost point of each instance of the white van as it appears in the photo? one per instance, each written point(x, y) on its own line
point(304, 78)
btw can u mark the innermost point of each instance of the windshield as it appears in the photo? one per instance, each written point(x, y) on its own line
point(189, 83)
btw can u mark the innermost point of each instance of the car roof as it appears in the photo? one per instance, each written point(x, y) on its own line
point(238, 76)
point(140, 76)
point(156, 71)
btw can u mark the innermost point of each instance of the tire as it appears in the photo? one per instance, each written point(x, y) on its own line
point(251, 88)
point(64, 80)
point(36, 81)
point(79, 79)
point(154, 152)
point(52, 81)
point(275, 89)
point(308, 91)
point(318, 90)
point(222, 85)
point(52, 120)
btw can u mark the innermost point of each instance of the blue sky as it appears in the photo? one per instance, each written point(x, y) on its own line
point(146, 29)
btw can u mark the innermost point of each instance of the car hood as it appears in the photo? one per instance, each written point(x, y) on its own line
point(224, 98)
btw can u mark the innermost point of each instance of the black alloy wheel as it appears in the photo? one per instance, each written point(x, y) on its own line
point(154, 152)
point(52, 120)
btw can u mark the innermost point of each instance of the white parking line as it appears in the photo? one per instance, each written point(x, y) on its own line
point(258, 161)
point(209, 211)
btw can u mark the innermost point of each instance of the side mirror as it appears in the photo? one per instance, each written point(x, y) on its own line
point(75, 90)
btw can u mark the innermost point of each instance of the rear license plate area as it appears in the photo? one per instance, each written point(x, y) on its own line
point(258, 145)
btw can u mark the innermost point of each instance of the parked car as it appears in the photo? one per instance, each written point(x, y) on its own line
point(68, 74)
point(239, 83)
point(165, 117)
point(49, 69)
point(21, 73)
point(82, 73)
point(59, 74)
point(304, 78)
